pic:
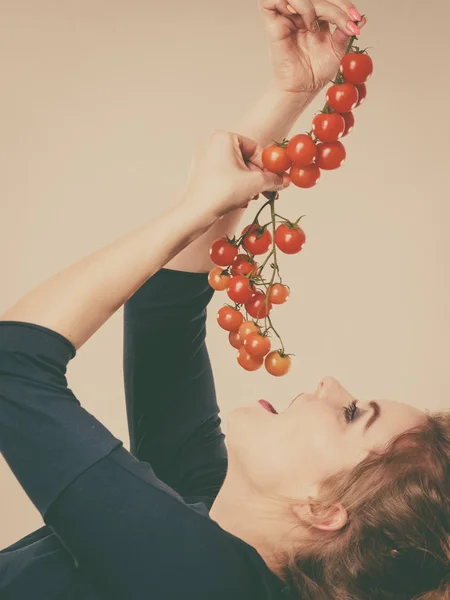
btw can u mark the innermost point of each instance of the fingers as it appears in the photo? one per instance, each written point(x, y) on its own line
point(249, 155)
point(340, 39)
point(266, 181)
point(270, 182)
point(348, 7)
point(250, 150)
point(306, 9)
point(330, 12)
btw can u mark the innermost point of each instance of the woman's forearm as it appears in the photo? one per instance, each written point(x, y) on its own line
point(274, 115)
point(77, 301)
point(272, 118)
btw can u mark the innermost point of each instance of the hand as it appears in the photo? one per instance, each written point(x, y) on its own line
point(226, 173)
point(305, 53)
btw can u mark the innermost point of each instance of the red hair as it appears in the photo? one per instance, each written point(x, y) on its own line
point(396, 544)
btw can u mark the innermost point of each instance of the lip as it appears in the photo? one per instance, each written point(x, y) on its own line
point(267, 406)
point(295, 399)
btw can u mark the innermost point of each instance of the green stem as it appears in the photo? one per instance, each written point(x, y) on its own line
point(276, 333)
point(274, 253)
point(265, 262)
point(255, 220)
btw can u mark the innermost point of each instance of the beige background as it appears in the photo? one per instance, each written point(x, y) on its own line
point(101, 102)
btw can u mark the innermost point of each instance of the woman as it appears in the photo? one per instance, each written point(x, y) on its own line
point(178, 518)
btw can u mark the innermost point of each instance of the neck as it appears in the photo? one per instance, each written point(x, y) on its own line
point(264, 523)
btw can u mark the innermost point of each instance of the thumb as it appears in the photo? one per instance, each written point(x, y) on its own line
point(271, 182)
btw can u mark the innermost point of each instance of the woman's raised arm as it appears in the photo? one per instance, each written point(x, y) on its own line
point(76, 302)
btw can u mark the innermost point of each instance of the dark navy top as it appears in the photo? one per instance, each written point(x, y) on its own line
point(121, 525)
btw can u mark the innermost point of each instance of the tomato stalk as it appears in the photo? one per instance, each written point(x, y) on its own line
point(275, 270)
point(265, 262)
point(271, 327)
point(255, 220)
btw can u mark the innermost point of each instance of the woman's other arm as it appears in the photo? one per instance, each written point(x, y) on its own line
point(303, 62)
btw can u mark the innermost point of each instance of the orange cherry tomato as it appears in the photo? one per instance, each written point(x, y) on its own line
point(257, 345)
point(277, 364)
point(248, 362)
point(235, 339)
point(246, 328)
point(218, 280)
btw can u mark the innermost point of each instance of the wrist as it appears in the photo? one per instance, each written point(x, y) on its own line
point(296, 100)
point(196, 213)
point(274, 115)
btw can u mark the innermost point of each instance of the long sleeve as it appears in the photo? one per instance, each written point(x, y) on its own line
point(172, 409)
point(46, 437)
point(129, 532)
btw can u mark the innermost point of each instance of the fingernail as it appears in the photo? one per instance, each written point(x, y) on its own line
point(315, 26)
point(277, 195)
point(292, 10)
point(245, 205)
point(354, 29)
point(255, 197)
point(354, 14)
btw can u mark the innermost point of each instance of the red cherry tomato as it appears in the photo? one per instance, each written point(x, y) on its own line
point(257, 345)
point(222, 252)
point(256, 306)
point(305, 177)
point(244, 265)
point(240, 289)
point(289, 240)
point(301, 149)
point(342, 97)
point(349, 119)
point(235, 339)
point(246, 328)
point(257, 240)
point(330, 155)
point(328, 127)
point(277, 364)
point(356, 67)
point(248, 362)
point(279, 293)
point(275, 159)
point(229, 318)
point(362, 91)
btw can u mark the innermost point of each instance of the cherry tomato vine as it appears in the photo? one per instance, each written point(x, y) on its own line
point(304, 156)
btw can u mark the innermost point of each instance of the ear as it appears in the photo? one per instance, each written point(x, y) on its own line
point(332, 518)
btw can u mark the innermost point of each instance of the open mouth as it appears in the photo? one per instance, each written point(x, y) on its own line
point(267, 406)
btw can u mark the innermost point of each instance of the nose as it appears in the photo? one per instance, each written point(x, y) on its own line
point(330, 389)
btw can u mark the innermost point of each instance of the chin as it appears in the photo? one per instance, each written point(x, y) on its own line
point(241, 423)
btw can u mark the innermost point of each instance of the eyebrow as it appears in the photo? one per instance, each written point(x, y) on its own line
point(375, 414)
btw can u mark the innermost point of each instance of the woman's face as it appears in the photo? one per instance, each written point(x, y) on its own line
point(290, 454)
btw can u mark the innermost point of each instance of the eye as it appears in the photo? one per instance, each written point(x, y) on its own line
point(350, 411)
